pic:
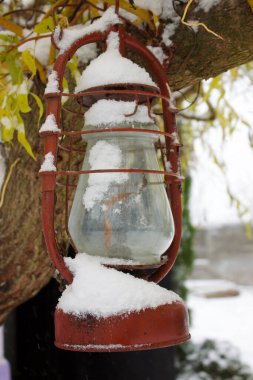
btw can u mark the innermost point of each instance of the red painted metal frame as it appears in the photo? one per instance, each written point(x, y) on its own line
point(51, 145)
point(166, 325)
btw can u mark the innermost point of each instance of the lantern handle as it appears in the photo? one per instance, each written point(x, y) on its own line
point(54, 106)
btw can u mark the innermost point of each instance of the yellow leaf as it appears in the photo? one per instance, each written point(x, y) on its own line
point(156, 21)
point(42, 71)
point(52, 54)
point(23, 105)
point(93, 11)
point(45, 25)
point(215, 83)
point(29, 61)
point(7, 24)
point(234, 72)
point(79, 15)
point(142, 14)
point(39, 104)
point(7, 134)
point(23, 141)
point(63, 21)
point(250, 2)
point(53, 7)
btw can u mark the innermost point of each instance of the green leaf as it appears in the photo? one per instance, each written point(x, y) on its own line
point(29, 61)
point(248, 231)
point(23, 105)
point(15, 68)
point(45, 26)
point(23, 141)
point(9, 38)
point(39, 104)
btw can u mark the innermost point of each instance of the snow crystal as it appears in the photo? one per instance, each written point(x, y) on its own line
point(22, 89)
point(48, 164)
point(94, 346)
point(112, 111)
point(158, 53)
point(52, 84)
point(72, 34)
point(112, 41)
point(128, 15)
point(6, 121)
point(170, 30)
point(103, 155)
point(168, 166)
point(117, 261)
point(110, 67)
point(175, 138)
point(86, 53)
point(206, 5)
point(111, 293)
point(154, 6)
point(50, 124)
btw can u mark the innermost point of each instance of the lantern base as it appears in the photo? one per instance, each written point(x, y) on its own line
point(164, 326)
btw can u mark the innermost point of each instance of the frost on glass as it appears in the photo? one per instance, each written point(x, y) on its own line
point(122, 215)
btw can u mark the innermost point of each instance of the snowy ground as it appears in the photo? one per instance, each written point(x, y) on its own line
point(224, 319)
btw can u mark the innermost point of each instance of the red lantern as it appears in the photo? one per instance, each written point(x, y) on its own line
point(151, 326)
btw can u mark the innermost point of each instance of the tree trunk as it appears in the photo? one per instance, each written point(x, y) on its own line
point(201, 55)
point(25, 267)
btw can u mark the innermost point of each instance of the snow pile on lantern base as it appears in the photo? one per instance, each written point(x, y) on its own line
point(107, 310)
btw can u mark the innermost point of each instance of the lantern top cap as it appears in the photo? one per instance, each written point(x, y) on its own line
point(111, 68)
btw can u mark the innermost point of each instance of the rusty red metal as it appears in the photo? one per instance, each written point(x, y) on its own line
point(166, 325)
point(149, 328)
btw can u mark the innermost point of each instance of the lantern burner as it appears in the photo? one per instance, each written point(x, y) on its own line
point(120, 91)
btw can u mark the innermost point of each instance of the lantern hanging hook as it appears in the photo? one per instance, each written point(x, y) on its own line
point(117, 7)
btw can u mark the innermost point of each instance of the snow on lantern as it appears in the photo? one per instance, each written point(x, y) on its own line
point(126, 211)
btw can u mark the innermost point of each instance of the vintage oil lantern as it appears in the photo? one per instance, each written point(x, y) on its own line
point(125, 219)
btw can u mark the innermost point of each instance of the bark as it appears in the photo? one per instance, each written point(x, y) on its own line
point(25, 267)
point(201, 55)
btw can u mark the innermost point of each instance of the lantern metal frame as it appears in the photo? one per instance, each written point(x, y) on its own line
point(174, 312)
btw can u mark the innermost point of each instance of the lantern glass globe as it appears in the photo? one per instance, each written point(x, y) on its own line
point(122, 215)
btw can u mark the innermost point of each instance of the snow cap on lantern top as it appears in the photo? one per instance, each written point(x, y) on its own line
point(112, 111)
point(111, 68)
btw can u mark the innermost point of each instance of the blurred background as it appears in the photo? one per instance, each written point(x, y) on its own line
point(213, 272)
point(219, 283)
